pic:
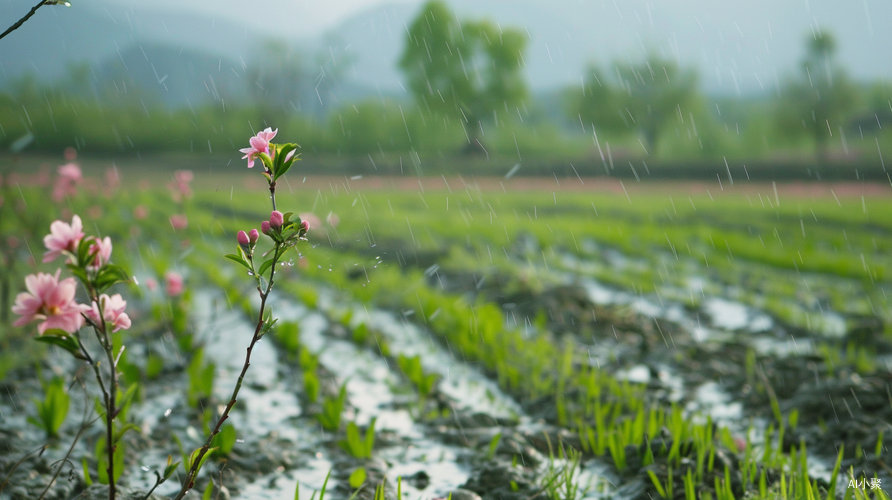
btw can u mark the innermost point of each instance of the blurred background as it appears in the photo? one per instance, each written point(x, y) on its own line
point(788, 88)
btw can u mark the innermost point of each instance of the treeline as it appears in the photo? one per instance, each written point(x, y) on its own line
point(469, 97)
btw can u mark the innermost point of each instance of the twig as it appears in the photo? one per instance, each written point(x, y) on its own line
point(22, 20)
point(158, 482)
point(193, 470)
point(16, 465)
point(80, 432)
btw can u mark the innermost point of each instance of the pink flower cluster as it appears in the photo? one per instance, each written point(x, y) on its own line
point(112, 312)
point(66, 184)
point(275, 222)
point(180, 188)
point(51, 300)
point(174, 283)
point(259, 144)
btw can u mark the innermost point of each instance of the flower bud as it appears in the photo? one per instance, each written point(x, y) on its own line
point(305, 225)
point(253, 235)
point(243, 238)
point(264, 227)
point(276, 220)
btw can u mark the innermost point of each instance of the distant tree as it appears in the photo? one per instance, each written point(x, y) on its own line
point(645, 97)
point(820, 99)
point(273, 81)
point(470, 70)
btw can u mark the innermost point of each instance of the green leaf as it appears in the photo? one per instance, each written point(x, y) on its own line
point(357, 478)
point(370, 438)
point(208, 491)
point(102, 461)
point(656, 483)
point(282, 166)
point(205, 459)
point(109, 275)
point(123, 430)
point(127, 399)
point(78, 272)
point(170, 469)
point(267, 161)
point(236, 258)
point(66, 342)
point(83, 252)
point(266, 265)
point(87, 478)
point(225, 439)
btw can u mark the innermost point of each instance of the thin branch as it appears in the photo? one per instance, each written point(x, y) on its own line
point(84, 426)
point(21, 460)
point(193, 470)
point(22, 20)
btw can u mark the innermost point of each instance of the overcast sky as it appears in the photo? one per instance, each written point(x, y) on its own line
point(305, 18)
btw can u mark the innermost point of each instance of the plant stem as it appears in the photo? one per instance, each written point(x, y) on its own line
point(272, 194)
point(109, 396)
point(193, 470)
point(22, 20)
point(110, 414)
point(157, 483)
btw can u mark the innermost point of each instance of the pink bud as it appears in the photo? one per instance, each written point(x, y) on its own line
point(253, 235)
point(264, 227)
point(242, 238)
point(276, 219)
point(305, 225)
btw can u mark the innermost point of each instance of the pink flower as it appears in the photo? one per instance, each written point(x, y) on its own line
point(112, 312)
point(140, 212)
point(305, 225)
point(63, 238)
point(174, 283)
point(178, 222)
point(253, 236)
point(66, 184)
point(333, 219)
point(151, 284)
point(112, 178)
point(71, 172)
point(101, 251)
point(183, 176)
point(50, 300)
point(264, 227)
point(181, 188)
point(276, 219)
point(242, 238)
point(259, 144)
point(311, 219)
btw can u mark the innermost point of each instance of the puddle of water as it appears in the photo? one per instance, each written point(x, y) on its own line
point(466, 385)
point(710, 399)
point(438, 462)
point(730, 315)
point(281, 486)
point(265, 400)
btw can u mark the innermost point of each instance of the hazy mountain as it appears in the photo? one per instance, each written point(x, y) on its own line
point(738, 47)
point(97, 31)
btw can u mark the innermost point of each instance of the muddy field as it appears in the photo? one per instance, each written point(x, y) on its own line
point(570, 342)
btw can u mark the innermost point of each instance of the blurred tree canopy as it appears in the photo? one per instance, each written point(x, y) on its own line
point(466, 69)
point(644, 97)
point(820, 99)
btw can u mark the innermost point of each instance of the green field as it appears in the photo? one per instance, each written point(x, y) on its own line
point(524, 337)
